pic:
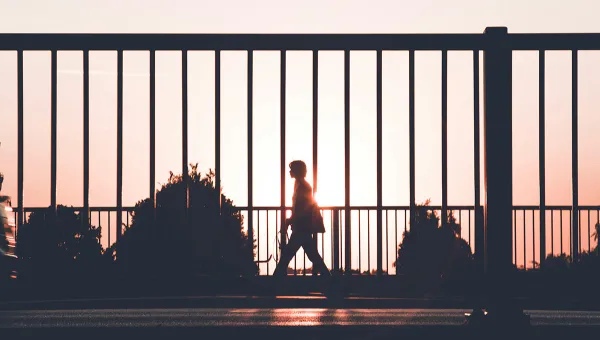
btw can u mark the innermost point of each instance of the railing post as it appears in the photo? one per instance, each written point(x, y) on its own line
point(575, 238)
point(379, 164)
point(479, 240)
point(347, 212)
point(542, 154)
point(498, 176)
point(86, 138)
point(250, 146)
point(119, 227)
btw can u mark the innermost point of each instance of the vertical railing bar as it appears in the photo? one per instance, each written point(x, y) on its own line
point(561, 231)
point(460, 222)
point(542, 153)
point(258, 236)
point(282, 140)
point(184, 132)
point(369, 242)
point(476, 155)
point(387, 241)
point(579, 231)
point(411, 131)
point(20, 132)
point(119, 144)
point(359, 245)
point(218, 129)
point(469, 234)
point(331, 238)
point(552, 231)
point(315, 127)
point(336, 238)
point(395, 238)
point(86, 134)
point(152, 179)
point(323, 239)
point(343, 240)
point(108, 231)
point(53, 130)
point(589, 212)
point(347, 220)
point(524, 241)
point(380, 163)
point(575, 156)
point(250, 133)
point(444, 137)
point(533, 236)
point(515, 235)
point(277, 233)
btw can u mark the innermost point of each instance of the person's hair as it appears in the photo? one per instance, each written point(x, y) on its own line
point(298, 168)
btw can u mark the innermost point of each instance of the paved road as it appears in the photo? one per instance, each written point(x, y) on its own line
point(279, 323)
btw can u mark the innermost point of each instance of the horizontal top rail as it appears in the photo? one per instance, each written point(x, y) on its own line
point(93, 209)
point(365, 207)
point(66, 42)
point(240, 41)
point(555, 41)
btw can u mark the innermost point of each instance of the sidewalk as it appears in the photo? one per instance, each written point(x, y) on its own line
point(311, 301)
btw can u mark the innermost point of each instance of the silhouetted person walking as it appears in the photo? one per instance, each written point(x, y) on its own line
point(303, 221)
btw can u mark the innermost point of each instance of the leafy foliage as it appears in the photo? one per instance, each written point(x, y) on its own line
point(432, 252)
point(172, 244)
point(60, 246)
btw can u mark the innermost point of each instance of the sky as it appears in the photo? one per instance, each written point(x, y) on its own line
point(348, 16)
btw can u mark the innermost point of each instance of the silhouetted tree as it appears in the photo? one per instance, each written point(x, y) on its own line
point(61, 247)
point(171, 244)
point(430, 252)
point(589, 261)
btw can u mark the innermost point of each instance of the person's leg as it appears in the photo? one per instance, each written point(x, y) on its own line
point(287, 254)
point(310, 249)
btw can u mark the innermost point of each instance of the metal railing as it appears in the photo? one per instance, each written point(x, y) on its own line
point(360, 256)
point(495, 42)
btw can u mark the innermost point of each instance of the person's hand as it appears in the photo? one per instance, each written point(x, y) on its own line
point(283, 229)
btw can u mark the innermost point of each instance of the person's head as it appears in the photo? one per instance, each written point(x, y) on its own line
point(297, 169)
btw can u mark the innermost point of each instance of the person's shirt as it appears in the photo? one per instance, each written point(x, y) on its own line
point(302, 201)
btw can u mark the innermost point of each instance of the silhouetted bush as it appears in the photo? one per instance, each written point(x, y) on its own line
point(430, 253)
point(61, 247)
point(173, 245)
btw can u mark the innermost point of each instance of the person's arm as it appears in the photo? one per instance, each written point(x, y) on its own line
point(303, 203)
point(290, 220)
point(297, 205)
